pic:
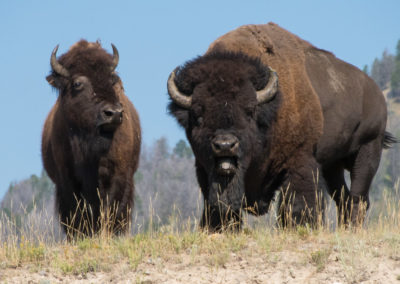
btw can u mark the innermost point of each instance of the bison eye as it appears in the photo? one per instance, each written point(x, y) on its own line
point(77, 85)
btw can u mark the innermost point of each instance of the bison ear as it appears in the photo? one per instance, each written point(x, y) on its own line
point(181, 114)
point(51, 80)
point(56, 81)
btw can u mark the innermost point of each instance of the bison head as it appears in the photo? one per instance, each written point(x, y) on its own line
point(85, 79)
point(226, 103)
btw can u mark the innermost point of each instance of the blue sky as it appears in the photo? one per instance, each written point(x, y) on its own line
point(153, 37)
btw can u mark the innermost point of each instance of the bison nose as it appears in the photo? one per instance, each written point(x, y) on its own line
point(225, 145)
point(112, 115)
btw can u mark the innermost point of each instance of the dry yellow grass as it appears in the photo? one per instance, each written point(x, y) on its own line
point(180, 253)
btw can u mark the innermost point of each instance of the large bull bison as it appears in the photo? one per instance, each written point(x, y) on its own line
point(266, 111)
point(91, 141)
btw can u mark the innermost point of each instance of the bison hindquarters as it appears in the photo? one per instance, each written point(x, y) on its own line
point(353, 203)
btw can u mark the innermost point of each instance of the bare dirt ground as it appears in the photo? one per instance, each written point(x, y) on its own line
point(302, 262)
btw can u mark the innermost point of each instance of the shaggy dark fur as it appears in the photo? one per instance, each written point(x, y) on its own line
point(326, 117)
point(226, 103)
point(91, 162)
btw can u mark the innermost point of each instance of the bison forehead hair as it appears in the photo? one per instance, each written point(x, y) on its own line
point(222, 67)
point(224, 73)
point(91, 60)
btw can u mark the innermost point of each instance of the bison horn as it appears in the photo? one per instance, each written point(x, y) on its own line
point(56, 66)
point(179, 98)
point(268, 93)
point(115, 58)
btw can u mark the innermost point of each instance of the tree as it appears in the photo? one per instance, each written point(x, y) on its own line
point(365, 69)
point(29, 206)
point(395, 80)
point(382, 69)
point(160, 150)
point(166, 185)
point(182, 150)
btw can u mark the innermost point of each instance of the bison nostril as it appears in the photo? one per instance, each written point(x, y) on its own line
point(216, 146)
point(230, 145)
point(234, 144)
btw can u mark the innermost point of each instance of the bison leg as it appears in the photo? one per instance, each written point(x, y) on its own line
point(119, 204)
point(301, 196)
point(64, 206)
point(218, 220)
point(74, 213)
point(362, 167)
point(337, 189)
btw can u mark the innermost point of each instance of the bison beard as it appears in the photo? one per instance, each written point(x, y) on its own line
point(224, 201)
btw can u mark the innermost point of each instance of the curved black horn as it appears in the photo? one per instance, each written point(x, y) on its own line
point(56, 66)
point(179, 98)
point(115, 58)
point(269, 91)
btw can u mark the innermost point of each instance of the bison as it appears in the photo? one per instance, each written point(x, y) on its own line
point(267, 112)
point(91, 141)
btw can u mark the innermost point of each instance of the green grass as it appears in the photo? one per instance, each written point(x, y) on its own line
point(319, 258)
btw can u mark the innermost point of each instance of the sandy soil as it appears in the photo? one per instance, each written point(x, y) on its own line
point(250, 265)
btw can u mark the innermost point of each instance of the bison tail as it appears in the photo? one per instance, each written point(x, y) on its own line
point(389, 140)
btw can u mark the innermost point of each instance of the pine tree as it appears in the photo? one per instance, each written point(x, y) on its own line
point(382, 69)
point(365, 69)
point(161, 149)
point(395, 81)
point(182, 150)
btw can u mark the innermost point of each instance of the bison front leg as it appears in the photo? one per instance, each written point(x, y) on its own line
point(116, 200)
point(74, 211)
point(218, 219)
point(66, 206)
point(301, 200)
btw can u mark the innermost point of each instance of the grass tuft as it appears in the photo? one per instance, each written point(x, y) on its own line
point(320, 258)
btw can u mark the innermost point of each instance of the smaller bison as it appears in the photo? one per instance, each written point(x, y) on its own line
point(266, 111)
point(91, 141)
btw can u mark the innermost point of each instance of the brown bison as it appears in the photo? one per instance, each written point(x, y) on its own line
point(91, 141)
point(265, 111)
